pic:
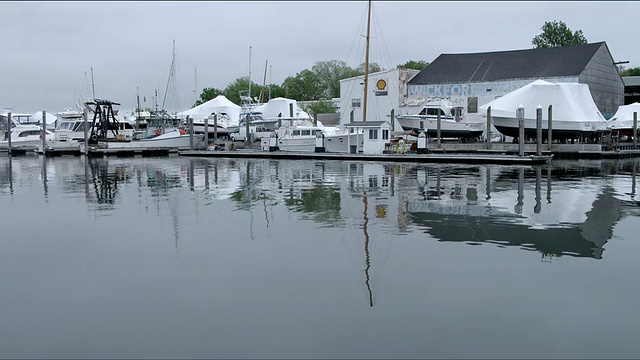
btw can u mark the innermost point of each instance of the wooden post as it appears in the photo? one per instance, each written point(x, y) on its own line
point(85, 115)
point(190, 122)
point(439, 132)
point(549, 127)
point(206, 133)
point(247, 133)
point(488, 131)
point(215, 128)
point(539, 130)
point(635, 130)
point(44, 132)
point(9, 132)
point(393, 121)
point(520, 117)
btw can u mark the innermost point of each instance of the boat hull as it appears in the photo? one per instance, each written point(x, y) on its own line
point(449, 128)
point(179, 142)
point(561, 129)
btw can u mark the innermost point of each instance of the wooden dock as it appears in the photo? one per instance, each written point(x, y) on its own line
point(501, 159)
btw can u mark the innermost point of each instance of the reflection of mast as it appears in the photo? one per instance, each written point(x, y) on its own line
point(366, 249)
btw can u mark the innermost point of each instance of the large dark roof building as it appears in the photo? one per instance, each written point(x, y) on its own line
point(590, 64)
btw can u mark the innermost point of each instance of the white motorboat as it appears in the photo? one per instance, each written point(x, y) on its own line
point(174, 139)
point(23, 137)
point(453, 123)
point(298, 135)
point(574, 113)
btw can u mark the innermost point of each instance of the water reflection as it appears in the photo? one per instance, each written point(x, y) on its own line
point(471, 204)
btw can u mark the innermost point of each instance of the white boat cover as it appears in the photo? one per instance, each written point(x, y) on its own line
point(219, 104)
point(280, 105)
point(623, 118)
point(51, 119)
point(571, 102)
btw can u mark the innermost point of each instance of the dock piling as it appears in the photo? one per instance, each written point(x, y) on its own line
point(549, 127)
point(488, 131)
point(520, 117)
point(539, 130)
point(44, 131)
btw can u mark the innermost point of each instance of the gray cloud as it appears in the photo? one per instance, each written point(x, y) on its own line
point(49, 48)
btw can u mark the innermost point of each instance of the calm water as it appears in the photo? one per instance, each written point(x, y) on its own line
point(178, 257)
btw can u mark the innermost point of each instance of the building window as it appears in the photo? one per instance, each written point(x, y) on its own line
point(385, 134)
point(472, 105)
point(355, 103)
point(373, 134)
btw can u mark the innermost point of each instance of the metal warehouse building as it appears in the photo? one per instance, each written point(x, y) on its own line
point(475, 79)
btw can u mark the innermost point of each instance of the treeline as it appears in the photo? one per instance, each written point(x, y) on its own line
point(320, 83)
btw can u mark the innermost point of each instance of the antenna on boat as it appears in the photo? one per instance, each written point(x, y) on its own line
point(366, 65)
point(138, 117)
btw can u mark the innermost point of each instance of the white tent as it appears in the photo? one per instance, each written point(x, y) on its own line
point(281, 105)
point(220, 104)
point(51, 119)
point(623, 118)
point(571, 102)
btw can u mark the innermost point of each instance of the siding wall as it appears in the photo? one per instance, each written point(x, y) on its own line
point(605, 83)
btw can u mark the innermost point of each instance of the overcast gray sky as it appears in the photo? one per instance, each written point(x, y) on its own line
point(49, 47)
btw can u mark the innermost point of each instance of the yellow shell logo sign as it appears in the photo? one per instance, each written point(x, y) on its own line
point(381, 84)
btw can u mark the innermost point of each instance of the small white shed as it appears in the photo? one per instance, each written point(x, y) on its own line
point(376, 134)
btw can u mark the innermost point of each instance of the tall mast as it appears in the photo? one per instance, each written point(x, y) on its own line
point(93, 87)
point(264, 83)
point(171, 74)
point(366, 66)
point(270, 68)
point(138, 117)
point(249, 72)
point(195, 85)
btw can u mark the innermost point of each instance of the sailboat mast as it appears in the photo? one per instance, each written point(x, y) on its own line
point(366, 65)
point(138, 117)
point(249, 72)
point(93, 87)
point(195, 85)
point(270, 68)
point(171, 74)
point(264, 83)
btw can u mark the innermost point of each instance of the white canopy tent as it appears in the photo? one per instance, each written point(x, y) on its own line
point(217, 105)
point(623, 118)
point(571, 102)
point(281, 105)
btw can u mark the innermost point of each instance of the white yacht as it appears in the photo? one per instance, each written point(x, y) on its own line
point(23, 136)
point(453, 123)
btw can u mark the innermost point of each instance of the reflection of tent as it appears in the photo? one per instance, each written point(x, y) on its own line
point(571, 102)
point(623, 118)
point(281, 105)
point(51, 119)
point(220, 104)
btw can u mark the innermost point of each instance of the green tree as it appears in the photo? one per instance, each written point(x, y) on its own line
point(630, 72)
point(208, 94)
point(329, 74)
point(303, 86)
point(556, 33)
point(373, 67)
point(320, 107)
point(415, 65)
point(232, 91)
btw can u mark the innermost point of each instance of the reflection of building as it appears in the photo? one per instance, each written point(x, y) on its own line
point(516, 213)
